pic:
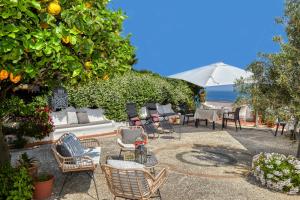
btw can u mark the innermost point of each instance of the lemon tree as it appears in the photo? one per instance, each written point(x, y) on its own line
point(45, 42)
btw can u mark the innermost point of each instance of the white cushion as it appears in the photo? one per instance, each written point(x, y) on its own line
point(143, 113)
point(72, 118)
point(159, 108)
point(123, 164)
point(94, 153)
point(168, 109)
point(59, 118)
point(94, 115)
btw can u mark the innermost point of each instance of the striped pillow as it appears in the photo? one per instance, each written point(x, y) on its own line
point(73, 145)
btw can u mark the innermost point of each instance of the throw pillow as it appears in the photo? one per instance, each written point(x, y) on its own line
point(160, 108)
point(59, 118)
point(63, 151)
point(168, 109)
point(143, 113)
point(82, 117)
point(73, 145)
point(72, 117)
point(95, 115)
point(129, 136)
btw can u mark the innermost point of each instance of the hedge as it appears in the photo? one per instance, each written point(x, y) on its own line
point(141, 88)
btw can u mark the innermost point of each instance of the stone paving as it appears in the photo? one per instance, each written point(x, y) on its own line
point(203, 164)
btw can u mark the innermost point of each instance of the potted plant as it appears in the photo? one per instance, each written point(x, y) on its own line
point(43, 185)
point(202, 95)
point(29, 163)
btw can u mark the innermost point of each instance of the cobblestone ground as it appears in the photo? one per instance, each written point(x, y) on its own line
point(203, 164)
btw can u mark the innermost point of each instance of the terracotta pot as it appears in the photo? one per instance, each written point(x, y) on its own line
point(43, 190)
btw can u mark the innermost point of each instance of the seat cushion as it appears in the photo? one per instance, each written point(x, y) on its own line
point(94, 153)
point(73, 145)
point(129, 136)
point(143, 112)
point(123, 164)
point(94, 115)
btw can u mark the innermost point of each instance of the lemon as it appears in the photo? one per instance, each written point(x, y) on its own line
point(88, 5)
point(88, 64)
point(66, 39)
point(54, 8)
point(105, 77)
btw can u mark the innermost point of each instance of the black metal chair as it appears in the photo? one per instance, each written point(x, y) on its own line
point(186, 113)
point(282, 124)
point(163, 119)
point(134, 120)
point(232, 116)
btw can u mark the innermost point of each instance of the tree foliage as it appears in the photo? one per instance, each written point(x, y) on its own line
point(49, 40)
point(276, 75)
point(141, 88)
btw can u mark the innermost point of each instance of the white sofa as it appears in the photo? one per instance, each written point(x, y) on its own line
point(66, 121)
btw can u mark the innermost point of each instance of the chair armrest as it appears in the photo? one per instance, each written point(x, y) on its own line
point(159, 179)
point(89, 143)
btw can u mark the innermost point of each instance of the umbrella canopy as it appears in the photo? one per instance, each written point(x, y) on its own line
point(216, 74)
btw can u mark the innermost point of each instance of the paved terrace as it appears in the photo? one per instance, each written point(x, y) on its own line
point(204, 164)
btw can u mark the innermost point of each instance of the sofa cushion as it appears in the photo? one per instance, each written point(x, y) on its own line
point(72, 117)
point(73, 145)
point(159, 108)
point(59, 118)
point(129, 136)
point(94, 115)
point(82, 117)
point(65, 126)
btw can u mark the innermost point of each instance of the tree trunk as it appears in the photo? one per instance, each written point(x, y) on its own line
point(298, 151)
point(4, 151)
point(256, 118)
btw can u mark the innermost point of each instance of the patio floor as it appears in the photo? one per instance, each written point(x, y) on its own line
point(204, 164)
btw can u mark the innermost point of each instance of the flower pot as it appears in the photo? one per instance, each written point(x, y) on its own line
point(43, 189)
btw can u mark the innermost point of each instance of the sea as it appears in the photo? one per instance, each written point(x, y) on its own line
point(221, 93)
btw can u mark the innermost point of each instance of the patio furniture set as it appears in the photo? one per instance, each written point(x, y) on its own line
point(127, 177)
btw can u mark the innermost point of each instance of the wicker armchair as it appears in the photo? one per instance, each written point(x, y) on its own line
point(129, 147)
point(137, 184)
point(78, 164)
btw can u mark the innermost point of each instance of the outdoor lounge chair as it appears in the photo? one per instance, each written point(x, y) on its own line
point(232, 116)
point(162, 118)
point(134, 120)
point(130, 183)
point(129, 135)
point(75, 155)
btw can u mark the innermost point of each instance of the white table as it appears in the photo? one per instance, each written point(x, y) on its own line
point(206, 114)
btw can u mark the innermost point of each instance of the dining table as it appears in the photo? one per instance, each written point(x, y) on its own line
point(209, 114)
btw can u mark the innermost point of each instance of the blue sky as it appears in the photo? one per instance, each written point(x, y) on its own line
point(175, 35)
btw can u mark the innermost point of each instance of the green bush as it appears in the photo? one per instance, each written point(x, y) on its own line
point(15, 183)
point(112, 95)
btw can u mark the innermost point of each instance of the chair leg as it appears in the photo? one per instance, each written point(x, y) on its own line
point(93, 177)
point(120, 154)
point(183, 121)
point(236, 128)
point(283, 125)
point(64, 183)
point(240, 124)
point(277, 126)
point(206, 122)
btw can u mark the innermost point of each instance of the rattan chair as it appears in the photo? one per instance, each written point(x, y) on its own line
point(136, 184)
point(129, 147)
point(72, 165)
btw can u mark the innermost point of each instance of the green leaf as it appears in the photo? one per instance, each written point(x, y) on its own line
point(76, 72)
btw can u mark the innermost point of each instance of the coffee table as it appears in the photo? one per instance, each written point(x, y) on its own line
point(150, 163)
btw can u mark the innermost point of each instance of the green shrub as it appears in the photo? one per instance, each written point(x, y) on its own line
point(112, 95)
point(15, 183)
